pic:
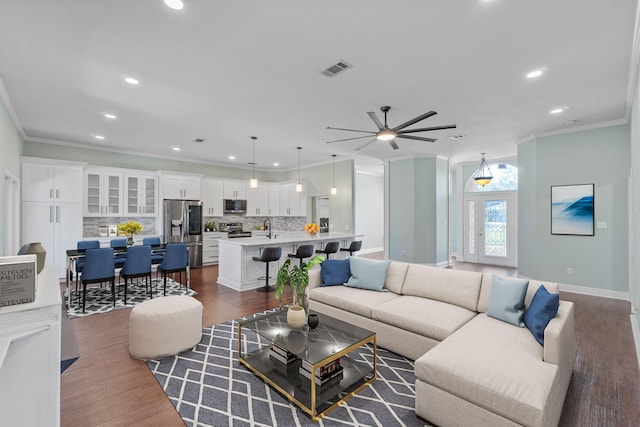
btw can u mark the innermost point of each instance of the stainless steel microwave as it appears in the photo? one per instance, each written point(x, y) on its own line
point(235, 206)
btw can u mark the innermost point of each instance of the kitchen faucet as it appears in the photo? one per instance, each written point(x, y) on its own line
point(267, 226)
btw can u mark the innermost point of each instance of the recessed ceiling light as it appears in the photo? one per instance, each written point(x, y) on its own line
point(454, 137)
point(175, 148)
point(276, 164)
point(533, 74)
point(556, 111)
point(174, 4)
point(199, 140)
point(570, 122)
point(98, 136)
point(232, 157)
point(109, 116)
point(131, 80)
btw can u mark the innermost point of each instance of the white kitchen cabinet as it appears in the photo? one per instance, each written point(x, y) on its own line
point(141, 195)
point(274, 199)
point(103, 193)
point(235, 189)
point(30, 357)
point(293, 203)
point(210, 247)
point(258, 200)
point(186, 187)
point(59, 183)
point(212, 196)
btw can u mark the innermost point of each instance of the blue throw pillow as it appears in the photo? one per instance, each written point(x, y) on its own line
point(334, 272)
point(543, 308)
point(368, 274)
point(506, 302)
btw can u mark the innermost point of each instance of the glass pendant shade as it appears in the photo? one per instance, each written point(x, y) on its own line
point(334, 189)
point(299, 184)
point(484, 176)
point(299, 187)
point(253, 182)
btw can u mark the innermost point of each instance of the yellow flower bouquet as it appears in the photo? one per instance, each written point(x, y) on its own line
point(130, 228)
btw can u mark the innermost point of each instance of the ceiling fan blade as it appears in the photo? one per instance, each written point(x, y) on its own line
point(415, 120)
point(351, 130)
point(417, 138)
point(348, 139)
point(393, 144)
point(365, 144)
point(375, 119)
point(427, 129)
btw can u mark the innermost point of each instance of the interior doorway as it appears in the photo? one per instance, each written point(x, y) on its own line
point(11, 212)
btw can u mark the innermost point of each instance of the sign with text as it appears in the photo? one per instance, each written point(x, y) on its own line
point(18, 279)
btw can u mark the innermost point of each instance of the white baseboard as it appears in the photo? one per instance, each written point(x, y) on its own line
point(371, 250)
point(596, 292)
point(635, 328)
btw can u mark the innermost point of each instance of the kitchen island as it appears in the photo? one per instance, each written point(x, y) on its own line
point(238, 270)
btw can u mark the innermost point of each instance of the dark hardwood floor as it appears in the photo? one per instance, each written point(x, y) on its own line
point(106, 387)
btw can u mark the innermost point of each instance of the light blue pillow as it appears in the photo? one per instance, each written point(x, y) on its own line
point(334, 272)
point(368, 273)
point(543, 308)
point(506, 302)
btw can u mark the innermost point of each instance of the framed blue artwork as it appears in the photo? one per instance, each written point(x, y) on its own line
point(572, 208)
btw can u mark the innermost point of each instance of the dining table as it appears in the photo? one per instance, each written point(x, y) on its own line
point(74, 255)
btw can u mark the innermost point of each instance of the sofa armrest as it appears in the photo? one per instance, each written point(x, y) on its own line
point(558, 338)
point(314, 277)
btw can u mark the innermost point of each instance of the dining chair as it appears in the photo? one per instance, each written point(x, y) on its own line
point(176, 260)
point(137, 264)
point(158, 255)
point(121, 246)
point(79, 264)
point(98, 268)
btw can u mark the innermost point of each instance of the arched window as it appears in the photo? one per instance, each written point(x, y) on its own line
point(505, 177)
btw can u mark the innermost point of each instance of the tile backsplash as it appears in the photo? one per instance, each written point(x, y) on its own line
point(90, 225)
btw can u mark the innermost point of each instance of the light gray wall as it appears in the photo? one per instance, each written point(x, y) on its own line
point(369, 210)
point(634, 234)
point(11, 150)
point(598, 156)
point(453, 214)
point(418, 210)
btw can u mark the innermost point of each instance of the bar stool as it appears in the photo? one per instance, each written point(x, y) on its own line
point(304, 251)
point(355, 246)
point(268, 255)
point(330, 248)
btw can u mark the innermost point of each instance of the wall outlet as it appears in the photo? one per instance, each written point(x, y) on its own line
point(569, 270)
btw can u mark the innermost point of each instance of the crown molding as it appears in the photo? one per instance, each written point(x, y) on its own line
point(6, 99)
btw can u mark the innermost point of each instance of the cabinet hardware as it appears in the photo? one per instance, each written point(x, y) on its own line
point(51, 193)
point(57, 193)
point(51, 214)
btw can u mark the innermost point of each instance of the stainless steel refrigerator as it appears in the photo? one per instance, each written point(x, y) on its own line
point(183, 223)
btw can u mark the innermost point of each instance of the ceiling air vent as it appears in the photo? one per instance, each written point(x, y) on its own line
point(337, 68)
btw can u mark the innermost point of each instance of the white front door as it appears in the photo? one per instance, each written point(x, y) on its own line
point(490, 228)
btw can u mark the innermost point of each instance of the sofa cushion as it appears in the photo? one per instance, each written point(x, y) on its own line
point(507, 300)
point(494, 365)
point(334, 272)
point(543, 308)
point(367, 273)
point(485, 291)
point(396, 274)
point(430, 318)
point(354, 300)
point(452, 286)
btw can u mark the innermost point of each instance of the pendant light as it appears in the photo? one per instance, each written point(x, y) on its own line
point(253, 182)
point(299, 184)
point(484, 176)
point(334, 190)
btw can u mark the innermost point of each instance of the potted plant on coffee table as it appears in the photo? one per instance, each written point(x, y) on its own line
point(296, 276)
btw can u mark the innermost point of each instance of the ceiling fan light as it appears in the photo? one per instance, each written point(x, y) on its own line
point(386, 135)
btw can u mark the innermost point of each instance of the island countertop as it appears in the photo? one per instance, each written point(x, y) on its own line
point(289, 237)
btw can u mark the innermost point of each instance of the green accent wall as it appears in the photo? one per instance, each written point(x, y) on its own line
point(11, 149)
point(418, 210)
point(599, 156)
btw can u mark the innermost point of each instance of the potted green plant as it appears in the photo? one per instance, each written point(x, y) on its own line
point(296, 276)
point(210, 226)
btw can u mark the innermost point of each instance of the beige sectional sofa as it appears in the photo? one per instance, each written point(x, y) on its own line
point(471, 369)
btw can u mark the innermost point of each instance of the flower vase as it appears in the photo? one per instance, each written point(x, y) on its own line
point(129, 241)
point(300, 299)
point(296, 317)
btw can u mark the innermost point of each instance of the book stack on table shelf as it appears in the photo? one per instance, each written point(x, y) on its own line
point(282, 359)
point(329, 373)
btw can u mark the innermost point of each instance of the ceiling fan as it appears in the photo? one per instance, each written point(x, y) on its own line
point(385, 133)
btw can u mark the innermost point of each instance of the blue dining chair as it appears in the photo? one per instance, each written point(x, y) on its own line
point(83, 245)
point(157, 256)
point(137, 264)
point(98, 268)
point(119, 245)
point(176, 260)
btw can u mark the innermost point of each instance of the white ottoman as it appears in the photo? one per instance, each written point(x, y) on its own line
point(164, 326)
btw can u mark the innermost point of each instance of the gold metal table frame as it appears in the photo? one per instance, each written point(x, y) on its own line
point(312, 408)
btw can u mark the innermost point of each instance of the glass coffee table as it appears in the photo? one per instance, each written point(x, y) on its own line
point(288, 360)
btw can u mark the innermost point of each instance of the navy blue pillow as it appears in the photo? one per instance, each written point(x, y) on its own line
point(543, 308)
point(335, 272)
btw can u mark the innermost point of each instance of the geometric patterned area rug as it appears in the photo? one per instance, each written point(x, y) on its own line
point(208, 387)
point(99, 300)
